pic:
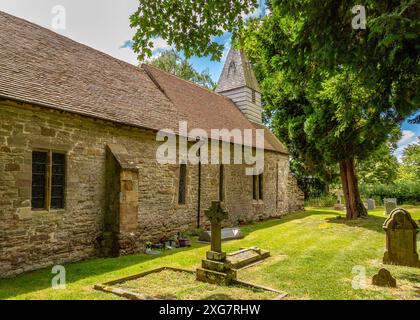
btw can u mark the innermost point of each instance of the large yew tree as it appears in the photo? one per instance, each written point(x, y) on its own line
point(332, 93)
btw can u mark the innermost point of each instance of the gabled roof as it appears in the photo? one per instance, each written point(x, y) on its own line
point(41, 67)
point(237, 73)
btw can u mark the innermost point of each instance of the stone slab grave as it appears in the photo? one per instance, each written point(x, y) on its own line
point(247, 256)
point(390, 204)
point(401, 239)
point(227, 234)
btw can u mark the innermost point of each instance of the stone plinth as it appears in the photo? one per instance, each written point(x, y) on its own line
point(215, 277)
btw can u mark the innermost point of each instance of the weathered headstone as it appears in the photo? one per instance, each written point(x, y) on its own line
point(401, 243)
point(216, 269)
point(390, 204)
point(370, 204)
point(227, 234)
point(384, 279)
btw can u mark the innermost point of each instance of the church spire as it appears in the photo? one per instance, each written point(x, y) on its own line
point(238, 82)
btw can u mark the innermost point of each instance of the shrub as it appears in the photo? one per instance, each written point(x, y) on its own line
point(404, 192)
point(322, 201)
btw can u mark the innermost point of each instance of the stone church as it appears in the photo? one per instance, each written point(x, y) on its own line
point(79, 176)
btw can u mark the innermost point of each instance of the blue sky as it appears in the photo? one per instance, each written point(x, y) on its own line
point(104, 25)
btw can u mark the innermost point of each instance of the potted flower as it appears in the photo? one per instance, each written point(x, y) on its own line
point(183, 241)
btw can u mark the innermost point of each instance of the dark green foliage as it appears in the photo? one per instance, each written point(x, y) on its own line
point(405, 192)
point(322, 103)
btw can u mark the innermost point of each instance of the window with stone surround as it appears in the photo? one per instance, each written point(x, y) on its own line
point(182, 183)
point(258, 187)
point(261, 186)
point(254, 187)
point(48, 180)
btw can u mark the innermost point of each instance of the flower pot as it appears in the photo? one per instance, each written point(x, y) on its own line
point(184, 243)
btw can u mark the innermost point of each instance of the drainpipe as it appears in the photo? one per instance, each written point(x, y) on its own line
point(199, 187)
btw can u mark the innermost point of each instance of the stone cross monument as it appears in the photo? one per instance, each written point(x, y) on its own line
point(401, 243)
point(215, 268)
point(216, 214)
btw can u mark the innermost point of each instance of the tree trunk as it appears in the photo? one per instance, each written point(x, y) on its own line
point(354, 205)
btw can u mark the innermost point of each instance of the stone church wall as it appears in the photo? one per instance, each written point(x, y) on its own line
point(34, 239)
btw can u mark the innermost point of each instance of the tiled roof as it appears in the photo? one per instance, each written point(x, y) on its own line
point(41, 67)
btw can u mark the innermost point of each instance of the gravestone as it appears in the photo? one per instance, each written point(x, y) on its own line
point(384, 279)
point(227, 234)
point(339, 205)
point(390, 204)
point(401, 243)
point(215, 268)
point(370, 204)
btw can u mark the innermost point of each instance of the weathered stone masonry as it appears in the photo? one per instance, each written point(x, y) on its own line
point(35, 239)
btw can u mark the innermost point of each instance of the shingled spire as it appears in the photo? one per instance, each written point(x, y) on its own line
point(238, 83)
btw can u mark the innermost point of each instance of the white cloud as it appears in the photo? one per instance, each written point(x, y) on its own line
point(159, 45)
point(408, 137)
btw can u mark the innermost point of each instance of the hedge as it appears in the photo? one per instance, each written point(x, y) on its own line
point(405, 192)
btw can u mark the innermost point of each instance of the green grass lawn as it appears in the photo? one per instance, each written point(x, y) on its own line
point(313, 255)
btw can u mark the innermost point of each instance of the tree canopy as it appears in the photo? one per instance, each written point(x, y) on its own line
point(171, 62)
